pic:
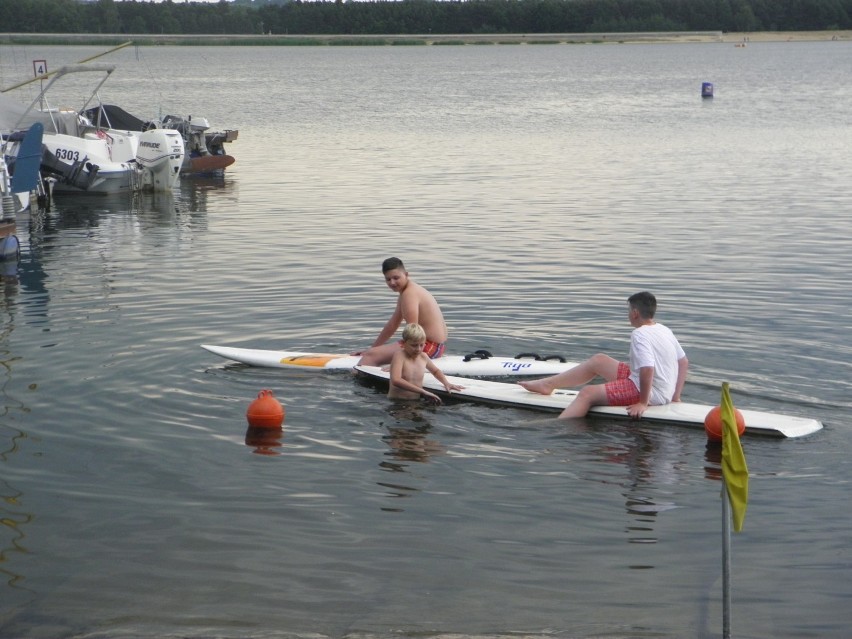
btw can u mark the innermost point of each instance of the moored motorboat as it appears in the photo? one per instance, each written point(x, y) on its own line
point(204, 150)
point(83, 157)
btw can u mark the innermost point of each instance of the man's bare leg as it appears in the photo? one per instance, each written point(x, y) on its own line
point(379, 355)
point(592, 395)
point(599, 365)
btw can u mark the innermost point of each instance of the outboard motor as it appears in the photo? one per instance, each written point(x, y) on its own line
point(161, 153)
point(80, 174)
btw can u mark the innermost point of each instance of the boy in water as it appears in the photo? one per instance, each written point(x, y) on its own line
point(414, 306)
point(410, 364)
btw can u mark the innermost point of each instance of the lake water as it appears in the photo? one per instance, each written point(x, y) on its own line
point(532, 189)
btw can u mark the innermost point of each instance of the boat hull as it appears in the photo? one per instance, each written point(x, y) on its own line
point(207, 163)
point(86, 164)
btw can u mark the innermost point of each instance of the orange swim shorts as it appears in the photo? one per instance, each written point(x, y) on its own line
point(622, 391)
point(432, 349)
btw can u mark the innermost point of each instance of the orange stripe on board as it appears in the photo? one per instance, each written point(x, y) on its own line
point(317, 360)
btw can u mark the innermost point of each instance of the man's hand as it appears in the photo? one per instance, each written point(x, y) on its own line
point(636, 410)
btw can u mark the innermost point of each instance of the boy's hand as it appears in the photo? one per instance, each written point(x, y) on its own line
point(432, 398)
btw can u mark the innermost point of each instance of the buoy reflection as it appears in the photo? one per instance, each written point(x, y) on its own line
point(265, 441)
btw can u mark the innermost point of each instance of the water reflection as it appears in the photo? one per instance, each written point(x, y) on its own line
point(150, 210)
point(9, 278)
point(407, 437)
point(196, 189)
point(713, 459)
point(12, 519)
point(265, 441)
point(105, 227)
point(653, 463)
point(408, 441)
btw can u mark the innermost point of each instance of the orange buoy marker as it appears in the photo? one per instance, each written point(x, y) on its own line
point(713, 424)
point(265, 411)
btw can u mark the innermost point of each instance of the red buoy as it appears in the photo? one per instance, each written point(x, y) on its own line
point(265, 411)
point(713, 424)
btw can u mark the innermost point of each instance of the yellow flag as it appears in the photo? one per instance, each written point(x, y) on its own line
point(734, 468)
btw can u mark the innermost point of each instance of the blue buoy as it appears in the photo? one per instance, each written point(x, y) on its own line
point(706, 89)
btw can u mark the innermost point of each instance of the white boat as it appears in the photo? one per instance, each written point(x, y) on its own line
point(85, 158)
point(204, 150)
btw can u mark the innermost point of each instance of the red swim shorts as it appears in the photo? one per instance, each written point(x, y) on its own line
point(622, 391)
point(431, 349)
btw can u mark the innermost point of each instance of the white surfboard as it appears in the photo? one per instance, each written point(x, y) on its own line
point(480, 363)
point(681, 413)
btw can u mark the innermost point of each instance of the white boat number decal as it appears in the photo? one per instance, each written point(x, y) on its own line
point(68, 154)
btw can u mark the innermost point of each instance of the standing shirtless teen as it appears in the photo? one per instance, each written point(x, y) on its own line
point(415, 305)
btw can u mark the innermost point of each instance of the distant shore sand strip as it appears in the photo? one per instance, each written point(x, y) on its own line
point(427, 39)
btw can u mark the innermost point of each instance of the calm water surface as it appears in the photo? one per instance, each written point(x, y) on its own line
point(532, 189)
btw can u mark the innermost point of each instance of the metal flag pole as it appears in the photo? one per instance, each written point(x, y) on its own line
point(726, 563)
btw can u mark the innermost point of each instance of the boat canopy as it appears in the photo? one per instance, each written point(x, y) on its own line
point(110, 116)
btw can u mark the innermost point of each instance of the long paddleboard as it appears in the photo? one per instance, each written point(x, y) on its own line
point(681, 413)
point(478, 364)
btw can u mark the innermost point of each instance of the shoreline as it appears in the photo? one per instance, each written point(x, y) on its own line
point(741, 39)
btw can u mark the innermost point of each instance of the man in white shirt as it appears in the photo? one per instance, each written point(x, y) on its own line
point(655, 375)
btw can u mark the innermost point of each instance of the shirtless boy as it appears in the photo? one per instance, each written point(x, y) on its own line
point(415, 305)
point(408, 366)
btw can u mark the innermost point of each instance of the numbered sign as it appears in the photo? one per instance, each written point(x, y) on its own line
point(39, 67)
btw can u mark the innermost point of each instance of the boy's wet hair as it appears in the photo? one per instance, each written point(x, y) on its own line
point(391, 264)
point(413, 333)
point(645, 303)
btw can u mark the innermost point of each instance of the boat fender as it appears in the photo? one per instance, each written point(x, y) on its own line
point(10, 248)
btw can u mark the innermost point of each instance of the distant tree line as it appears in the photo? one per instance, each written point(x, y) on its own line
point(402, 17)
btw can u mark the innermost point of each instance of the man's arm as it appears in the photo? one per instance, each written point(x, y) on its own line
point(682, 368)
point(390, 326)
point(646, 382)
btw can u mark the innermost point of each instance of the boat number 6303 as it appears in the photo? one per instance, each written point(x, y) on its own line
point(69, 155)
